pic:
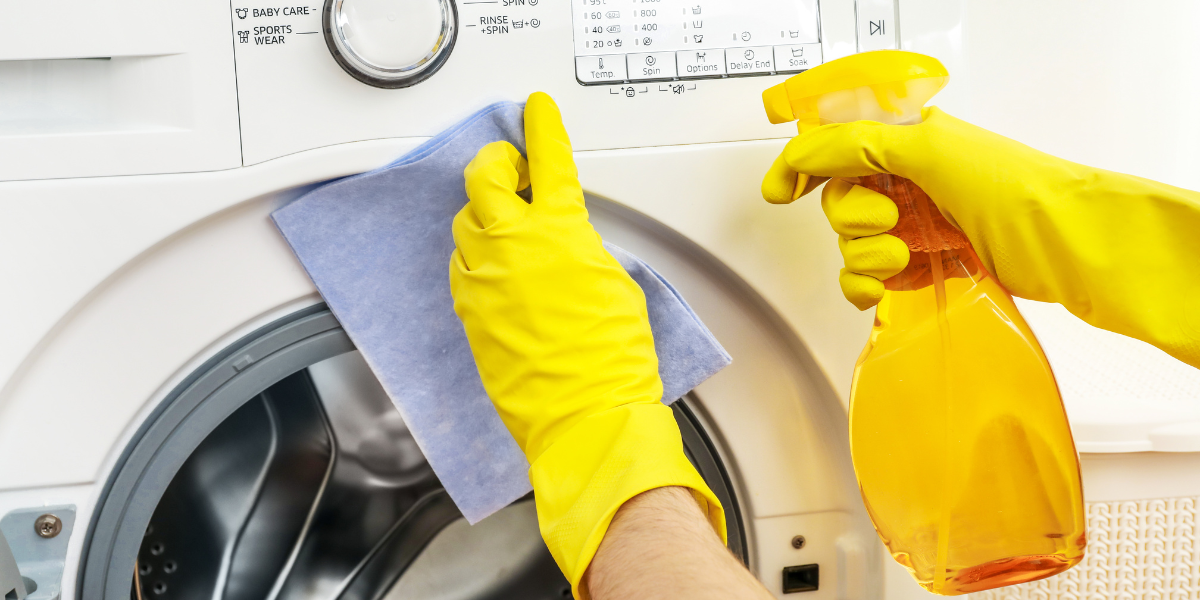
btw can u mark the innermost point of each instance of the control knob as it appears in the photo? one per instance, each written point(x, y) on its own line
point(390, 43)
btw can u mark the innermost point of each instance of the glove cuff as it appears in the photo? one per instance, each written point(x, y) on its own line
point(582, 480)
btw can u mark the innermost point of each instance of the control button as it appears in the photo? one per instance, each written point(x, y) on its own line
point(701, 63)
point(796, 58)
point(390, 43)
point(876, 24)
point(740, 61)
point(600, 69)
point(652, 65)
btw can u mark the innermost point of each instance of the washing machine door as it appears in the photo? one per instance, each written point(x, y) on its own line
point(282, 470)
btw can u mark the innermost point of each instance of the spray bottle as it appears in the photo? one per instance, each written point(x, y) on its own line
point(960, 442)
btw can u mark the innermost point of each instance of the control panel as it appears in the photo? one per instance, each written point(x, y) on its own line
point(312, 73)
point(160, 86)
point(660, 40)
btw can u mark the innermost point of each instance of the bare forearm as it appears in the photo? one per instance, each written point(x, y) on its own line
point(661, 546)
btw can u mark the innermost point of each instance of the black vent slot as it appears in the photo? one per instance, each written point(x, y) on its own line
point(804, 578)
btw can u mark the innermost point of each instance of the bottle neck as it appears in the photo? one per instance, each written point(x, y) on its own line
point(929, 236)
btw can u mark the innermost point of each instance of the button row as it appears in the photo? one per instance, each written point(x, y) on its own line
point(688, 64)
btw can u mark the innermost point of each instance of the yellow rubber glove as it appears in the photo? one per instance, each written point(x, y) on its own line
point(1120, 252)
point(563, 343)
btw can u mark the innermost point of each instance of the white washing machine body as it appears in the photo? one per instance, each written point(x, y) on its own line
point(143, 146)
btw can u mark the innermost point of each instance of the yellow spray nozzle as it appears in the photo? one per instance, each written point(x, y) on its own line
point(887, 73)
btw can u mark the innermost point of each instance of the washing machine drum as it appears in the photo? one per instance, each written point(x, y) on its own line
point(281, 470)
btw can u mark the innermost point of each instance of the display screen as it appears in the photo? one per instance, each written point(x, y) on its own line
point(654, 40)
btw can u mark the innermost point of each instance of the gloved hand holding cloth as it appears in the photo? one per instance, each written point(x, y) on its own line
point(1118, 251)
point(562, 340)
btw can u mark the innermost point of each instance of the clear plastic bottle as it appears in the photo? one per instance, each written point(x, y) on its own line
point(960, 442)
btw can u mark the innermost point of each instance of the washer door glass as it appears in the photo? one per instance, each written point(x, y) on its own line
point(296, 478)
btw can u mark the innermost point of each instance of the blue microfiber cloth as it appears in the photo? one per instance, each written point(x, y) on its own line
point(378, 247)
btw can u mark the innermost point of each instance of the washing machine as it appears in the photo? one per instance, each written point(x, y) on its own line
point(182, 417)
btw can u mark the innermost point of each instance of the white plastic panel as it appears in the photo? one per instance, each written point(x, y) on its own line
point(1137, 475)
point(295, 97)
point(94, 95)
point(711, 194)
point(1121, 394)
point(846, 570)
point(72, 235)
point(114, 88)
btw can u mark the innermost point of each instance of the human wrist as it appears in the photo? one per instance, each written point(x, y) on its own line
point(582, 480)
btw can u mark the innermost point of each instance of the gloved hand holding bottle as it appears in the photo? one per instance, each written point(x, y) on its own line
point(562, 339)
point(958, 435)
point(1118, 251)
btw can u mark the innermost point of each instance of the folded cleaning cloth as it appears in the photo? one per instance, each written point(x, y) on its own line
point(378, 246)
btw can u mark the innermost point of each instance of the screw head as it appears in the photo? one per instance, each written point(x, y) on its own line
point(47, 526)
point(798, 542)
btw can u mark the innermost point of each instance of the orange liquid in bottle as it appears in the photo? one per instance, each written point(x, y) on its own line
point(961, 446)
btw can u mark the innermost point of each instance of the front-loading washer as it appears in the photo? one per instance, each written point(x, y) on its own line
point(166, 364)
point(173, 387)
